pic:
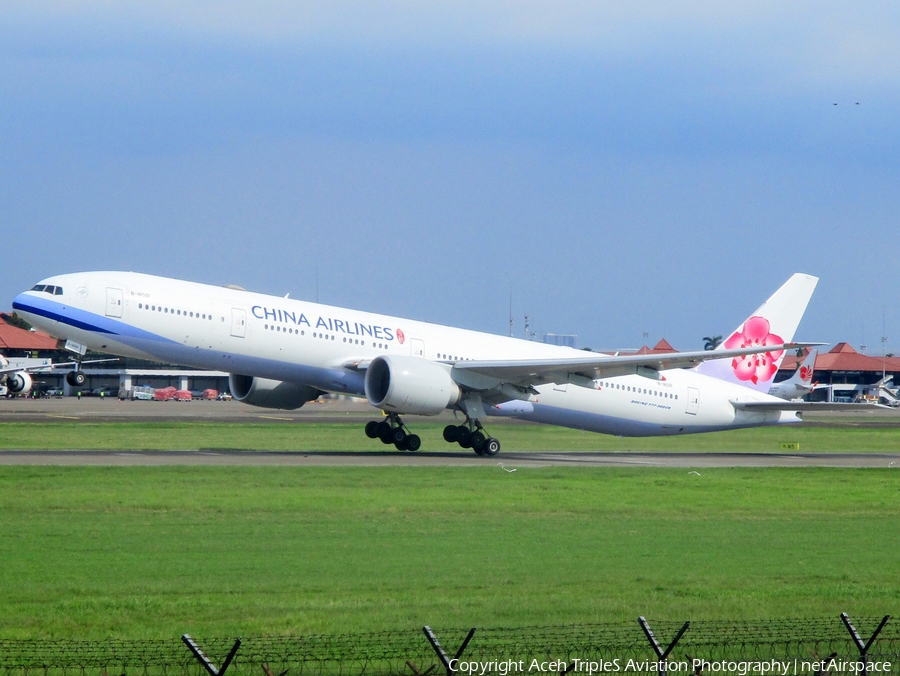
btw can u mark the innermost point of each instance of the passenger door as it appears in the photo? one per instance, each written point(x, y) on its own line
point(693, 400)
point(113, 302)
point(238, 322)
point(417, 346)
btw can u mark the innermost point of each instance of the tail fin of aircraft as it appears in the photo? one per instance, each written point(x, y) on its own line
point(803, 375)
point(774, 323)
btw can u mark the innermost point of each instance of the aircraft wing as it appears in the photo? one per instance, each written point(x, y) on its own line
point(582, 371)
point(48, 367)
point(27, 369)
point(805, 406)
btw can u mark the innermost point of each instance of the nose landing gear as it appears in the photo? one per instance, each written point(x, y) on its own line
point(76, 378)
point(471, 435)
point(393, 431)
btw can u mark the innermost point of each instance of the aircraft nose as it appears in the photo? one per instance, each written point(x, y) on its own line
point(20, 301)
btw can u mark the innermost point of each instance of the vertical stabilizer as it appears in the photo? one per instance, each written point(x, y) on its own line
point(775, 322)
point(798, 384)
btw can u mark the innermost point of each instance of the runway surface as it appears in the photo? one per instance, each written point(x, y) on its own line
point(508, 461)
point(93, 409)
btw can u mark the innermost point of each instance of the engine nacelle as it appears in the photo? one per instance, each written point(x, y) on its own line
point(410, 385)
point(19, 382)
point(267, 393)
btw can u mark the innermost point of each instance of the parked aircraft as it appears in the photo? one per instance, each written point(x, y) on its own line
point(798, 384)
point(282, 353)
point(18, 380)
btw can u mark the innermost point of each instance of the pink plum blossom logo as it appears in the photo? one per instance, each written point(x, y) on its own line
point(806, 374)
point(400, 337)
point(755, 367)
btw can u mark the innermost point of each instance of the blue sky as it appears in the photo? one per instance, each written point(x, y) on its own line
point(619, 168)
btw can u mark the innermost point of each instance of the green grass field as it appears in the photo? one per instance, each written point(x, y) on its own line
point(154, 552)
point(287, 436)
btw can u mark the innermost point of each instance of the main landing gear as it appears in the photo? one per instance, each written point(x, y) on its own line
point(471, 435)
point(393, 431)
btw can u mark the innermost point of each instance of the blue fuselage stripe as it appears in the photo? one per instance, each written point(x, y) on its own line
point(55, 316)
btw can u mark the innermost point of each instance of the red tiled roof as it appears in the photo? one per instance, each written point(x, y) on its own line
point(842, 357)
point(662, 347)
point(14, 338)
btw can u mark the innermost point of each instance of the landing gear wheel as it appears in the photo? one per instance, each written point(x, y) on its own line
point(76, 378)
point(372, 429)
point(451, 433)
point(463, 435)
point(385, 433)
point(476, 440)
point(490, 447)
point(398, 437)
point(413, 443)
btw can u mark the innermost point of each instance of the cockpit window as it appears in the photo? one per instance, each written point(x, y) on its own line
point(48, 288)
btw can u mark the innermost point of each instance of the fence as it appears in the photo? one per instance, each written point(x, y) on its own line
point(652, 646)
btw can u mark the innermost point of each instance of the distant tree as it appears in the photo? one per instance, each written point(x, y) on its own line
point(711, 342)
point(16, 320)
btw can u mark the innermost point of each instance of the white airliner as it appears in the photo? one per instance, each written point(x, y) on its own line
point(282, 353)
point(798, 384)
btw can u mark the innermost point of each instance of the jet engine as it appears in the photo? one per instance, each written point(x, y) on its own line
point(267, 393)
point(410, 385)
point(19, 383)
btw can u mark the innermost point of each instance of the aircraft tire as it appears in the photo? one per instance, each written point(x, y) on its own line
point(76, 378)
point(385, 433)
point(398, 436)
point(490, 447)
point(372, 429)
point(413, 443)
point(401, 445)
point(477, 441)
point(462, 436)
point(450, 433)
